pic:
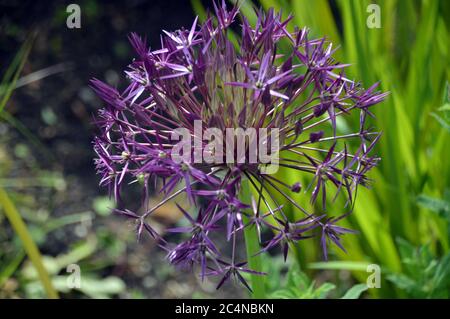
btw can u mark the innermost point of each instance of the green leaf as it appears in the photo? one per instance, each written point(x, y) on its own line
point(323, 290)
point(252, 246)
point(10, 267)
point(340, 265)
point(438, 206)
point(199, 9)
point(48, 116)
point(30, 247)
point(355, 292)
point(441, 121)
point(103, 205)
point(446, 98)
point(96, 288)
point(406, 249)
point(12, 74)
point(402, 281)
point(283, 294)
point(297, 278)
point(442, 273)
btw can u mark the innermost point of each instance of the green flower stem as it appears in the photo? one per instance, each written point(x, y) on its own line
point(252, 246)
point(30, 247)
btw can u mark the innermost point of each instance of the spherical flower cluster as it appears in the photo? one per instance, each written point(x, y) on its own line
point(199, 75)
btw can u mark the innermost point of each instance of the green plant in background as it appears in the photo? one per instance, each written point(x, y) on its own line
point(287, 281)
point(410, 55)
point(42, 275)
point(443, 116)
point(29, 245)
point(7, 86)
point(423, 275)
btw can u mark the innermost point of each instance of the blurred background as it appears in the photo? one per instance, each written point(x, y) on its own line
point(54, 217)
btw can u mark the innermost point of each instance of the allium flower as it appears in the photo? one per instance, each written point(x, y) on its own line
point(199, 75)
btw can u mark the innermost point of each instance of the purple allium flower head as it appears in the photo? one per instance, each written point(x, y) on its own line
point(199, 75)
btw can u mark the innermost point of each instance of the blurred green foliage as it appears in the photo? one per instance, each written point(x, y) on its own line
point(296, 284)
point(8, 85)
point(40, 275)
point(410, 55)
